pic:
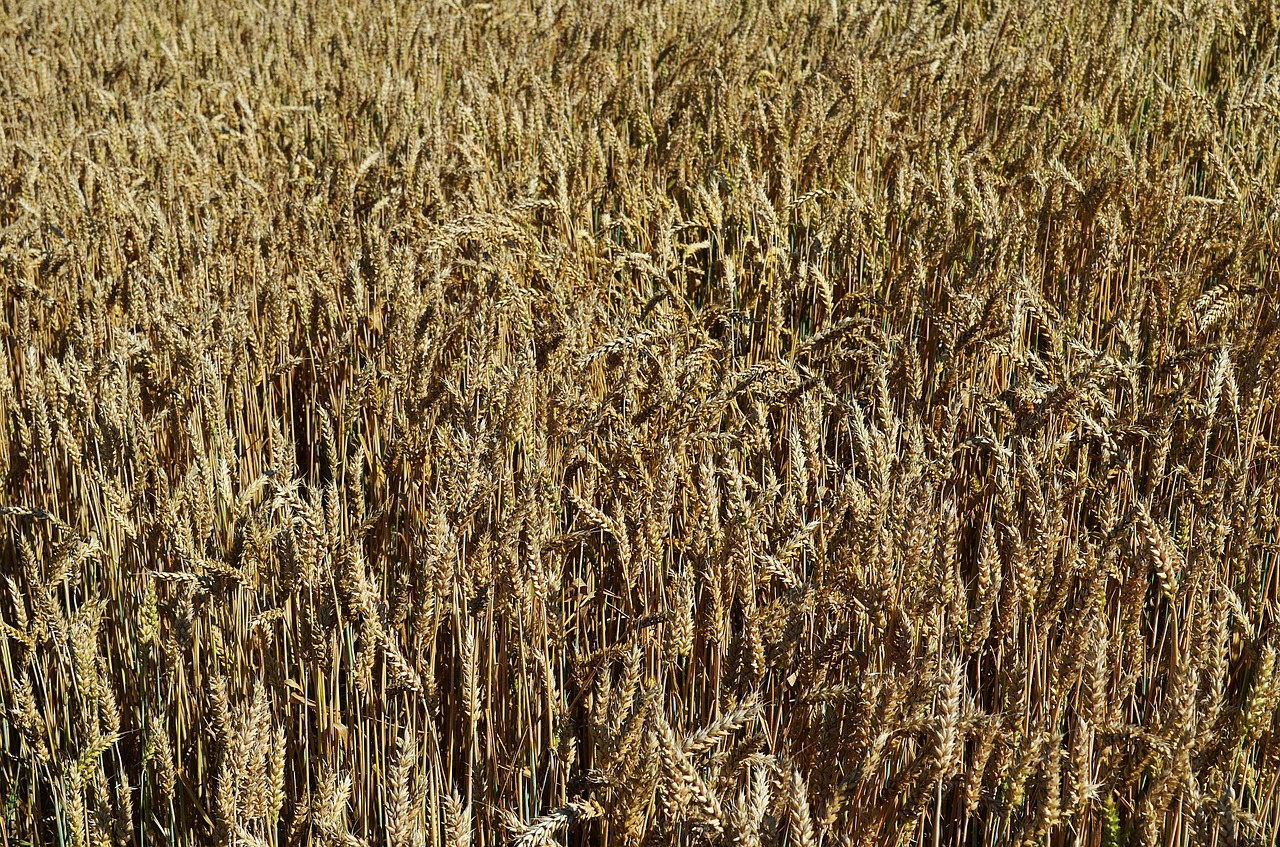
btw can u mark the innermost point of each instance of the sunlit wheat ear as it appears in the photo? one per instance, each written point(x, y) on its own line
point(329, 811)
point(743, 423)
point(403, 809)
point(685, 792)
point(542, 831)
point(457, 822)
point(1164, 556)
point(800, 829)
point(711, 735)
point(73, 798)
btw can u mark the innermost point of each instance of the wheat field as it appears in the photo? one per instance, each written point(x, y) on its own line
point(634, 422)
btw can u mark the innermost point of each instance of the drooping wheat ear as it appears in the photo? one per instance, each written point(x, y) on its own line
point(541, 831)
point(733, 720)
point(88, 763)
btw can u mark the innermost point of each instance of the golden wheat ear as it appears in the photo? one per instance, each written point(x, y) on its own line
point(702, 421)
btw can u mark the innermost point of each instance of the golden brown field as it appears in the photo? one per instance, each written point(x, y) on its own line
point(639, 423)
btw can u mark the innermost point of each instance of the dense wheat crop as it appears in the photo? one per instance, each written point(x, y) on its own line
point(639, 423)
